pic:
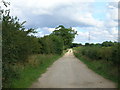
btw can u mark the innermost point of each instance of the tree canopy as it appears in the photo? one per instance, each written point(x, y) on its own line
point(67, 35)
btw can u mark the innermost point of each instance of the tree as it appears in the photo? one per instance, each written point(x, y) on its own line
point(17, 45)
point(51, 44)
point(87, 44)
point(67, 35)
point(76, 45)
point(57, 44)
point(107, 43)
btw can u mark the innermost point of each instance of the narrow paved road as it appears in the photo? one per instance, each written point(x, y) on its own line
point(69, 72)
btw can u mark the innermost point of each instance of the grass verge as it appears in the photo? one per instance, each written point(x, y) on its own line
point(101, 67)
point(32, 69)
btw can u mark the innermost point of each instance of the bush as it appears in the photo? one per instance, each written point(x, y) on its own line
point(57, 44)
point(104, 53)
point(116, 54)
point(17, 45)
point(51, 44)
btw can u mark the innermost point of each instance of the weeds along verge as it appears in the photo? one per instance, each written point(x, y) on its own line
point(32, 69)
point(102, 60)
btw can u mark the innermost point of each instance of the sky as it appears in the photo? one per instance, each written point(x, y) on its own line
point(97, 19)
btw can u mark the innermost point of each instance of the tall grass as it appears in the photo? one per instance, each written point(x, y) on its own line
point(32, 69)
point(99, 59)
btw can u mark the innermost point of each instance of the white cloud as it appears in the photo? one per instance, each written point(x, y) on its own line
point(114, 31)
point(43, 31)
point(96, 35)
point(111, 23)
point(51, 29)
point(39, 34)
point(47, 14)
point(88, 19)
point(63, 11)
point(112, 12)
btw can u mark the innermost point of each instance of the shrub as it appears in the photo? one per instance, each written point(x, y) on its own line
point(105, 53)
point(51, 44)
point(17, 45)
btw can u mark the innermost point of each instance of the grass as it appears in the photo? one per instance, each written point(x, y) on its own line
point(101, 67)
point(32, 69)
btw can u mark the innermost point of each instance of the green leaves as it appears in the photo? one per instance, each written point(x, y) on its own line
point(51, 44)
point(17, 45)
point(102, 53)
point(67, 35)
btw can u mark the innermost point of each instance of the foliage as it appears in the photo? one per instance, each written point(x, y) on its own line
point(101, 53)
point(108, 43)
point(104, 44)
point(51, 44)
point(18, 45)
point(67, 35)
point(35, 66)
point(57, 44)
point(87, 44)
point(75, 45)
point(102, 67)
point(102, 58)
